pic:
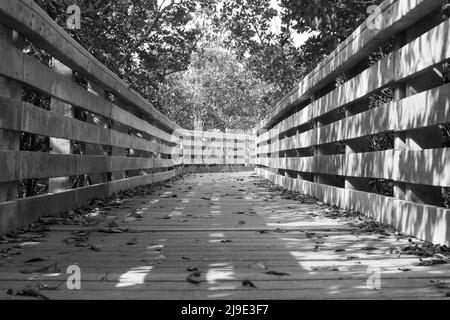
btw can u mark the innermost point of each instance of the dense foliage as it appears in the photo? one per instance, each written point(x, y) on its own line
point(218, 90)
point(333, 21)
point(145, 42)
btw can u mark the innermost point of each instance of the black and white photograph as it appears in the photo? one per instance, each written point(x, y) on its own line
point(224, 155)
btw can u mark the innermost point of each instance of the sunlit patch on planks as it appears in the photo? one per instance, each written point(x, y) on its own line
point(227, 242)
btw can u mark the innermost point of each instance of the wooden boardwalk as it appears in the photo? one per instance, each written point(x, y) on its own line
point(230, 228)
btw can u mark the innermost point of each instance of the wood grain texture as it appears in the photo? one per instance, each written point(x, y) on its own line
point(214, 225)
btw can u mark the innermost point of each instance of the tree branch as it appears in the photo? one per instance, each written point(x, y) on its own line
point(158, 16)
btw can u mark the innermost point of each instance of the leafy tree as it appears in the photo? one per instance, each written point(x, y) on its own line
point(273, 57)
point(333, 20)
point(217, 89)
point(140, 40)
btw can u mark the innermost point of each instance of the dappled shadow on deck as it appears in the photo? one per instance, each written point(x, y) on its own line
point(236, 232)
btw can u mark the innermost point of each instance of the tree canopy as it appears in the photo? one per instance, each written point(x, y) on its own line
point(219, 60)
point(217, 89)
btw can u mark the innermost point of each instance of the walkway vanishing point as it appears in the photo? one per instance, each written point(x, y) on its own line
point(235, 230)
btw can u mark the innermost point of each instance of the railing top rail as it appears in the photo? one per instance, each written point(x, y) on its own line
point(395, 15)
point(31, 21)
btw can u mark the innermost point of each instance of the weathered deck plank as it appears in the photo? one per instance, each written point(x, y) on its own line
point(267, 233)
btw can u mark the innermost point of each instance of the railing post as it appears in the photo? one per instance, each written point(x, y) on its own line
point(9, 139)
point(60, 146)
point(353, 147)
point(94, 149)
point(414, 140)
point(116, 151)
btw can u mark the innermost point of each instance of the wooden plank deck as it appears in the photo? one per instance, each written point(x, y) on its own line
point(231, 228)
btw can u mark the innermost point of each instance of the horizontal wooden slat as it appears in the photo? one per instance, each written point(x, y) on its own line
point(217, 148)
point(426, 167)
point(16, 214)
point(20, 116)
point(133, 142)
point(428, 50)
point(395, 16)
point(424, 109)
point(30, 20)
point(426, 222)
point(37, 165)
point(409, 61)
point(59, 86)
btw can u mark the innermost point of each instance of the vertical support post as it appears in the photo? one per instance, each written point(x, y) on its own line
point(60, 146)
point(400, 143)
point(352, 147)
point(118, 151)
point(95, 149)
point(414, 140)
point(9, 139)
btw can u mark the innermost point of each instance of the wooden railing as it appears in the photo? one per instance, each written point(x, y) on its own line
point(126, 141)
point(100, 136)
point(320, 138)
point(218, 148)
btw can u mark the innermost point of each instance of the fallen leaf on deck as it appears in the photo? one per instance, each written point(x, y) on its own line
point(404, 269)
point(29, 290)
point(157, 247)
point(94, 248)
point(369, 248)
point(276, 273)
point(155, 260)
point(333, 268)
point(104, 278)
point(47, 287)
point(53, 268)
point(112, 224)
point(135, 215)
point(248, 284)
point(194, 277)
point(132, 241)
point(192, 269)
point(440, 256)
point(112, 230)
point(35, 260)
point(431, 262)
point(165, 217)
point(441, 284)
point(258, 265)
